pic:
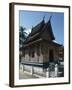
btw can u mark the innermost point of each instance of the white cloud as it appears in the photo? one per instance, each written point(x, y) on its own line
point(28, 31)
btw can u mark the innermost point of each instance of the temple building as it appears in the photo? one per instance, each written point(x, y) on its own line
point(40, 52)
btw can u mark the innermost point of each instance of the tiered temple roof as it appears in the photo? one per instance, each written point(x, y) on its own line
point(38, 31)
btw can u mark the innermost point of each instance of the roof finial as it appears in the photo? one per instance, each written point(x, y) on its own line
point(50, 17)
point(43, 17)
point(32, 26)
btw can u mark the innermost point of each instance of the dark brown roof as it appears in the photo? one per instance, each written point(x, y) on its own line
point(38, 30)
point(39, 40)
point(49, 28)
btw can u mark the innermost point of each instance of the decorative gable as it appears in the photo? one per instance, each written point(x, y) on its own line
point(47, 32)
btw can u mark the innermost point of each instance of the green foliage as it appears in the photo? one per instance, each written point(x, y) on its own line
point(22, 33)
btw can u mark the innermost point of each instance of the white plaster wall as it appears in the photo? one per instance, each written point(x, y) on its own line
point(27, 68)
point(38, 70)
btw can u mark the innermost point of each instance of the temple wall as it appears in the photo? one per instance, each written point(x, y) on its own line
point(41, 58)
point(45, 35)
point(55, 49)
point(56, 54)
point(26, 57)
point(44, 54)
point(36, 58)
point(45, 58)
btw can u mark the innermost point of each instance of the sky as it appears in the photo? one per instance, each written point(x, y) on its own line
point(29, 19)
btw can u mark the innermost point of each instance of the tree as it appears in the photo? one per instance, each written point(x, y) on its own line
point(22, 33)
point(22, 37)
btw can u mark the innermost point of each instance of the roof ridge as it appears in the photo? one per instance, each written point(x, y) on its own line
point(43, 21)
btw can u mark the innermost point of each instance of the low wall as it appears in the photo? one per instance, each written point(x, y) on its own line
point(33, 70)
point(40, 71)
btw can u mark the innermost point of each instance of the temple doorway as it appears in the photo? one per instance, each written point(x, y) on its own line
point(51, 55)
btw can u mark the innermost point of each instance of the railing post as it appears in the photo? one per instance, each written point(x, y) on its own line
point(56, 70)
point(47, 73)
point(32, 70)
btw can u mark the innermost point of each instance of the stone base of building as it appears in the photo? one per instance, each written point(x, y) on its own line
point(40, 72)
point(32, 70)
